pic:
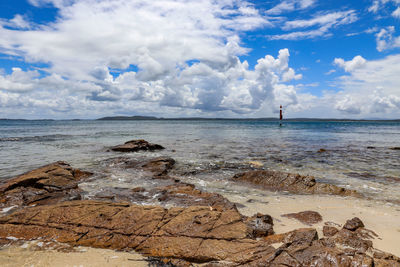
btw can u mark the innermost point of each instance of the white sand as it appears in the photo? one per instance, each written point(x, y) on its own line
point(383, 219)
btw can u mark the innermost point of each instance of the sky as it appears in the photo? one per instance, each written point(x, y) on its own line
point(67, 59)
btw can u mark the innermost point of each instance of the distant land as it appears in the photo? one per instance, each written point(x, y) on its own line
point(129, 118)
point(138, 118)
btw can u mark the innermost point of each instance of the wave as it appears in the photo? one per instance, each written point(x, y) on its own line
point(43, 138)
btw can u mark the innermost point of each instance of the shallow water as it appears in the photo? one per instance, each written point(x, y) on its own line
point(358, 154)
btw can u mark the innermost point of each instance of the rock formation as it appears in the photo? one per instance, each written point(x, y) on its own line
point(136, 145)
point(48, 184)
point(294, 183)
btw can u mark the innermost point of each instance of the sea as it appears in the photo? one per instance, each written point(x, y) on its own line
point(360, 155)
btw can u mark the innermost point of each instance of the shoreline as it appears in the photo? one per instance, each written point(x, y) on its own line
point(191, 225)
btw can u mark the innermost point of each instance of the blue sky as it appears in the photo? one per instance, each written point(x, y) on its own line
point(182, 58)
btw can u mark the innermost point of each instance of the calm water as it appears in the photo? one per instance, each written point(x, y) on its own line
point(209, 152)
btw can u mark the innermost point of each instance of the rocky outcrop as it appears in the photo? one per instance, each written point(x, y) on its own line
point(307, 217)
point(136, 145)
point(46, 185)
point(295, 183)
point(192, 234)
point(196, 234)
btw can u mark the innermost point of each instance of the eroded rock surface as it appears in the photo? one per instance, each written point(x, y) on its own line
point(196, 234)
point(48, 184)
point(307, 217)
point(188, 235)
point(295, 183)
point(136, 145)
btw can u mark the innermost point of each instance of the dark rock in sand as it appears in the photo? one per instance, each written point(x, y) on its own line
point(307, 217)
point(46, 185)
point(353, 224)
point(136, 145)
point(395, 148)
point(295, 183)
point(329, 230)
point(260, 225)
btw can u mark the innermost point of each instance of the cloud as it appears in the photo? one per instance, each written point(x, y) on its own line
point(372, 88)
point(323, 23)
point(351, 65)
point(385, 39)
point(377, 5)
point(290, 5)
point(189, 63)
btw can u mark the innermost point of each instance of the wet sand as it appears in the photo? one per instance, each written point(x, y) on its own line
point(24, 255)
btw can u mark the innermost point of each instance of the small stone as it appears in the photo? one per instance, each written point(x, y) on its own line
point(353, 224)
point(307, 217)
point(329, 230)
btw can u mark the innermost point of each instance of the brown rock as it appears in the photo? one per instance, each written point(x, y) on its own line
point(260, 225)
point(196, 234)
point(186, 235)
point(353, 224)
point(159, 166)
point(48, 184)
point(136, 145)
point(307, 217)
point(329, 230)
point(295, 183)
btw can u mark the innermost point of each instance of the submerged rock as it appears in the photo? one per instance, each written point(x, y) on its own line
point(295, 183)
point(177, 194)
point(307, 217)
point(158, 167)
point(136, 145)
point(48, 184)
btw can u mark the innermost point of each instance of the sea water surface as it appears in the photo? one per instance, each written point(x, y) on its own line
point(359, 155)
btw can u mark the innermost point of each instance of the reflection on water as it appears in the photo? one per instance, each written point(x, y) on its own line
point(357, 155)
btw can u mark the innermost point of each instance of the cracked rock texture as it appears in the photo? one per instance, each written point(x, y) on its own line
point(294, 183)
point(193, 234)
point(46, 185)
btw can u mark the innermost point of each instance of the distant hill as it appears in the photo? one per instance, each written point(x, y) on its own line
point(127, 118)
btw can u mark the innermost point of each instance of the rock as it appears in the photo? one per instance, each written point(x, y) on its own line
point(395, 148)
point(46, 185)
point(321, 150)
point(353, 224)
point(136, 145)
point(329, 230)
point(158, 167)
point(295, 183)
point(187, 235)
point(307, 217)
point(177, 194)
point(260, 225)
point(195, 234)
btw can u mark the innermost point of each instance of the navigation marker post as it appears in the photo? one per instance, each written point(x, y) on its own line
point(280, 116)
